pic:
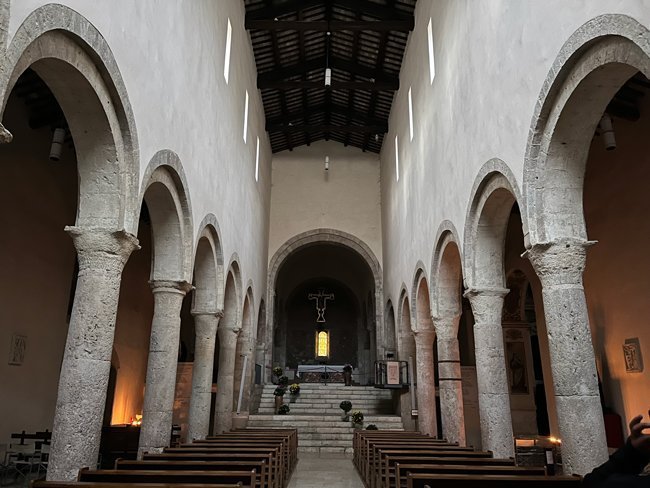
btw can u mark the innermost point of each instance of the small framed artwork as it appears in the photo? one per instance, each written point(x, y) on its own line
point(632, 354)
point(17, 349)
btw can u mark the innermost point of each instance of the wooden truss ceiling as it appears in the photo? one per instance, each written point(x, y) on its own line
point(364, 49)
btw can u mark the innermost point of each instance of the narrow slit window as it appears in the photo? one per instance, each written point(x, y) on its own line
point(396, 159)
point(246, 117)
point(410, 114)
point(257, 161)
point(432, 64)
point(226, 65)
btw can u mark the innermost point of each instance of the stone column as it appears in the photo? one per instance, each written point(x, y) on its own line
point(226, 379)
point(6, 137)
point(79, 413)
point(426, 387)
point(451, 383)
point(560, 265)
point(492, 379)
point(158, 405)
point(205, 325)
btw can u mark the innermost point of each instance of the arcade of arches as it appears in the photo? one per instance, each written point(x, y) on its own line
point(157, 264)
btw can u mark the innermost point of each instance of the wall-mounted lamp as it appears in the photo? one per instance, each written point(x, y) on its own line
point(57, 144)
point(327, 163)
point(607, 131)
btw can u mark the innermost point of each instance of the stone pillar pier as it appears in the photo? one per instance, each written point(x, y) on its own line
point(158, 406)
point(6, 137)
point(102, 254)
point(205, 324)
point(451, 383)
point(226, 379)
point(492, 379)
point(426, 388)
point(560, 265)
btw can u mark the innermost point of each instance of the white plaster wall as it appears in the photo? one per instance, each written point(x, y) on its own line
point(346, 198)
point(171, 56)
point(492, 57)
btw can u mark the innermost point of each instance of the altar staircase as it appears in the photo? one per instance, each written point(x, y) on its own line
point(317, 416)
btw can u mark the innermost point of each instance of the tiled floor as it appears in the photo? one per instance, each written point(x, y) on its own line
point(326, 471)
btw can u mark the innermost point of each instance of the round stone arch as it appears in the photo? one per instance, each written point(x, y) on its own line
point(404, 326)
point(446, 272)
point(165, 192)
point(233, 297)
point(208, 267)
point(494, 192)
point(421, 293)
point(590, 68)
point(76, 63)
point(390, 332)
point(312, 238)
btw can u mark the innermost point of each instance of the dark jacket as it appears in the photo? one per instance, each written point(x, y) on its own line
point(621, 471)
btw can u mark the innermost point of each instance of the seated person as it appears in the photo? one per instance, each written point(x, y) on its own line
point(627, 467)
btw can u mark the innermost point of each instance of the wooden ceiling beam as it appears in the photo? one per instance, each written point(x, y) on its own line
point(286, 7)
point(310, 128)
point(336, 85)
point(331, 26)
point(320, 108)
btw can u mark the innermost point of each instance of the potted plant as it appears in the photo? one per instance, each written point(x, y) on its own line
point(283, 381)
point(347, 374)
point(284, 410)
point(371, 427)
point(346, 406)
point(357, 418)
point(279, 394)
point(294, 389)
point(278, 371)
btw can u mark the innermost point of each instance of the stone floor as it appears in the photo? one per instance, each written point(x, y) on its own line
point(324, 471)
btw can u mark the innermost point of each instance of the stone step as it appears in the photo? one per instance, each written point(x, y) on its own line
point(324, 418)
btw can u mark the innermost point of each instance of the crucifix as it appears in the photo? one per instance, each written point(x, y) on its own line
point(321, 303)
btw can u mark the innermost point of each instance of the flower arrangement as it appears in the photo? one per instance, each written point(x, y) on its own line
point(279, 391)
point(347, 368)
point(294, 389)
point(283, 410)
point(283, 380)
point(357, 417)
point(346, 406)
point(371, 427)
point(277, 371)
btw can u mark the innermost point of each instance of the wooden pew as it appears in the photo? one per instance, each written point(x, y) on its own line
point(84, 484)
point(395, 460)
point(270, 456)
point(246, 478)
point(263, 479)
point(403, 470)
point(424, 480)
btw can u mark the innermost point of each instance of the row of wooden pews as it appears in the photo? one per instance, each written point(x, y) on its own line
point(395, 459)
point(242, 458)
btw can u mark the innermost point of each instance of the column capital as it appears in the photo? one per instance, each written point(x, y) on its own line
point(446, 326)
point(5, 136)
point(98, 243)
point(215, 313)
point(180, 287)
point(487, 303)
point(559, 262)
point(234, 330)
point(424, 337)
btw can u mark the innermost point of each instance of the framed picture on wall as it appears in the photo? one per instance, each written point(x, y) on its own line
point(17, 349)
point(632, 354)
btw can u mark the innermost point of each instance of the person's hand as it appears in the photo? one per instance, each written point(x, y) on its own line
point(639, 439)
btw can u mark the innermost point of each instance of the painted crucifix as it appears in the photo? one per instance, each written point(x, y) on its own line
point(321, 303)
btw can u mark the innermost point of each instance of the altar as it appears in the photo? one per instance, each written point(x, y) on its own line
point(320, 373)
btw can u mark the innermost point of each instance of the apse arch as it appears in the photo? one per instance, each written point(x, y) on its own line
point(493, 194)
point(595, 61)
point(166, 195)
point(322, 237)
point(76, 63)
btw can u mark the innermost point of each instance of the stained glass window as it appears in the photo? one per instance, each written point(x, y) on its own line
point(322, 344)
